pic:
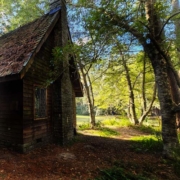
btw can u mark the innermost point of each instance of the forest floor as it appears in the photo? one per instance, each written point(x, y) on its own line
point(84, 159)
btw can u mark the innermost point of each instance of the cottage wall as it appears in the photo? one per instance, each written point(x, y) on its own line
point(18, 125)
point(59, 125)
point(36, 132)
point(11, 113)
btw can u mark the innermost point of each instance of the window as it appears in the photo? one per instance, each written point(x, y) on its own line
point(39, 103)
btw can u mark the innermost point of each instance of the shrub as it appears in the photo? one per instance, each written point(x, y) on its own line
point(147, 144)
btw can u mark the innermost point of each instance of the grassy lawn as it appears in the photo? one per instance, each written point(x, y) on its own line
point(85, 119)
point(103, 124)
point(115, 120)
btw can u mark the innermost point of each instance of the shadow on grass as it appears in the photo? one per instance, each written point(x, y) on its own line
point(101, 158)
point(129, 159)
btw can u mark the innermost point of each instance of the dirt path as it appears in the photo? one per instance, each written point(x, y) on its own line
point(83, 160)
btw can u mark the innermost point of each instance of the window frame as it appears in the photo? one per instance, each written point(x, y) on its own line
point(34, 100)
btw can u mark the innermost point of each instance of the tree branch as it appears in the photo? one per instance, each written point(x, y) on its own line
point(167, 22)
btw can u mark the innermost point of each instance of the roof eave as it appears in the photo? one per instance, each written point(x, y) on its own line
point(11, 77)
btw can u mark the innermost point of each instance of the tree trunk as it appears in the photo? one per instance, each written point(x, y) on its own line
point(133, 115)
point(153, 41)
point(169, 132)
point(175, 88)
point(146, 112)
point(160, 63)
point(174, 93)
point(92, 112)
point(143, 86)
point(88, 93)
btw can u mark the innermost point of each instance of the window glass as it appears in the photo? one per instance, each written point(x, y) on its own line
point(40, 102)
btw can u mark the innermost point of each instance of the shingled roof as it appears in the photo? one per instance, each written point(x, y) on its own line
point(18, 47)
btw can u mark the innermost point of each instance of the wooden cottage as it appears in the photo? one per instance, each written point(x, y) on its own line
point(33, 111)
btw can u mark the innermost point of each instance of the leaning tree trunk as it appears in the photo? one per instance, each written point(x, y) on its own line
point(146, 112)
point(92, 112)
point(88, 93)
point(132, 108)
point(160, 63)
point(174, 93)
point(175, 88)
point(169, 132)
point(143, 86)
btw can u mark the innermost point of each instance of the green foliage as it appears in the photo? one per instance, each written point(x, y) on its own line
point(107, 132)
point(148, 129)
point(120, 122)
point(84, 126)
point(147, 144)
point(110, 82)
point(99, 124)
point(179, 136)
point(176, 165)
point(111, 122)
point(176, 154)
point(19, 12)
point(120, 173)
point(98, 129)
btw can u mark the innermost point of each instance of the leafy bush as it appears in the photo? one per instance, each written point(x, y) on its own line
point(118, 173)
point(117, 122)
point(176, 166)
point(84, 126)
point(108, 132)
point(147, 144)
point(147, 129)
point(99, 124)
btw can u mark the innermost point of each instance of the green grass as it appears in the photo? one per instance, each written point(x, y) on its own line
point(151, 142)
point(104, 120)
point(148, 129)
point(86, 119)
point(125, 171)
point(120, 122)
point(103, 132)
point(117, 173)
point(147, 144)
point(98, 130)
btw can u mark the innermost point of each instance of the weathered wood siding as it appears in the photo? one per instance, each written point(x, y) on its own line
point(36, 132)
point(11, 113)
point(18, 126)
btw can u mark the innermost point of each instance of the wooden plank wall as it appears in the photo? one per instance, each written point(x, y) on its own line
point(37, 131)
point(11, 113)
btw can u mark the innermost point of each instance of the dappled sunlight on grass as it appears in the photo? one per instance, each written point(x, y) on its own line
point(120, 122)
point(102, 132)
point(140, 141)
point(148, 129)
point(150, 143)
point(105, 120)
point(112, 126)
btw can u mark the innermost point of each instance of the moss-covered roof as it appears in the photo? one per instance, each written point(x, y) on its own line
point(17, 47)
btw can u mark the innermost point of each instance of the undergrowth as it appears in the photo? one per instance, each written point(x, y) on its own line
point(99, 129)
point(121, 122)
point(148, 129)
point(147, 144)
point(125, 171)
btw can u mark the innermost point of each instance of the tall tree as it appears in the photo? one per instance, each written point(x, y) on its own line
point(19, 12)
point(149, 30)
